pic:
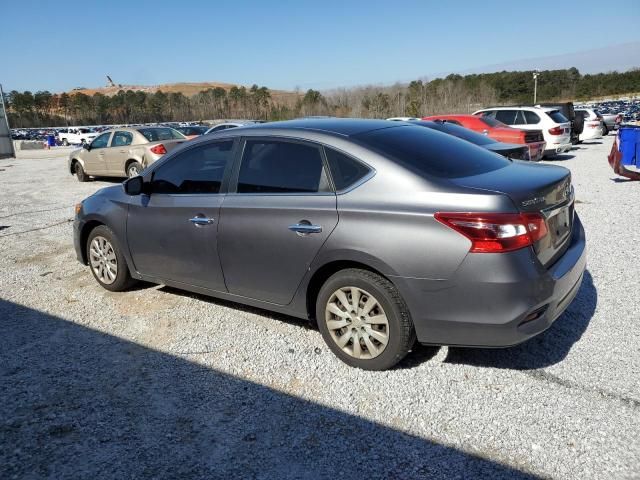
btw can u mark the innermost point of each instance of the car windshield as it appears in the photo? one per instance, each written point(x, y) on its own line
point(157, 134)
point(492, 122)
point(431, 153)
point(557, 117)
point(458, 131)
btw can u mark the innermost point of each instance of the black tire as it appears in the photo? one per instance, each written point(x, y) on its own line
point(65, 142)
point(133, 169)
point(401, 333)
point(81, 175)
point(605, 130)
point(123, 279)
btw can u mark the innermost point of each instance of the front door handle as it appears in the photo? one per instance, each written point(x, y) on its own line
point(201, 221)
point(305, 228)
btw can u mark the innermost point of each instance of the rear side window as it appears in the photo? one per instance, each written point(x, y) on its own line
point(121, 139)
point(198, 170)
point(506, 116)
point(345, 170)
point(431, 153)
point(519, 118)
point(557, 117)
point(273, 166)
point(531, 117)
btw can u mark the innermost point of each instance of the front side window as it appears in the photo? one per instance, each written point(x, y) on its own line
point(273, 166)
point(101, 141)
point(345, 170)
point(122, 139)
point(199, 170)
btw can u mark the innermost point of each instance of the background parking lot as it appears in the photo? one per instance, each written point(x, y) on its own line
point(157, 382)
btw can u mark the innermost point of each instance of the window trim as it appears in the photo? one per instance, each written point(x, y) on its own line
point(224, 184)
point(233, 183)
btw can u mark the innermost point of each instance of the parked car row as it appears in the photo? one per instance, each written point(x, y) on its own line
point(383, 233)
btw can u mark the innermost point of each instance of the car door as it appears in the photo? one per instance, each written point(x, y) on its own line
point(172, 231)
point(118, 153)
point(94, 157)
point(276, 217)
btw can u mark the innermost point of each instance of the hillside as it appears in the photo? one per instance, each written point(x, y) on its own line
point(186, 88)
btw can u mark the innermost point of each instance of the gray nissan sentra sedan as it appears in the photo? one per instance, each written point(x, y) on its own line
point(382, 233)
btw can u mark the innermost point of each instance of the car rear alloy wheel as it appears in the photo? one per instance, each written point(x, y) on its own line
point(357, 322)
point(134, 169)
point(102, 257)
point(364, 320)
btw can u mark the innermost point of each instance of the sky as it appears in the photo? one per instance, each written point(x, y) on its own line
point(283, 44)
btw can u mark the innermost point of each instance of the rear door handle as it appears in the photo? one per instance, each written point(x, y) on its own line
point(305, 228)
point(201, 221)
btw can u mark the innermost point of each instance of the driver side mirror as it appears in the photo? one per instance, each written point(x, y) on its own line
point(134, 185)
point(86, 146)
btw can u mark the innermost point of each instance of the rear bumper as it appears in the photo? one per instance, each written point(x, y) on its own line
point(561, 147)
point(496, 300)
point(536, 150)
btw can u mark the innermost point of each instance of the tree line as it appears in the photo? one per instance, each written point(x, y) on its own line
point(452, 94)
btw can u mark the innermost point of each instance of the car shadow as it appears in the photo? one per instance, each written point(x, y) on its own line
point(80, 403)
point(623, 180)
point(281, 317)
point(561, 157)
point(547, 348)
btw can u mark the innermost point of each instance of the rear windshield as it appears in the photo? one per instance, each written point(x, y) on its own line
point(557, 117)
point(458, 131)
point(157, 134)
point(432, 153)
point(492, 122)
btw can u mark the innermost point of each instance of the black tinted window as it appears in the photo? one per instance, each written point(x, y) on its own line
point(506, 116)
point(531, 117)
point(557, 117)
point(198, 170)
point(280, 167)
point(460, 132)
point(519, 118)
point(427, 152)
point(345, 170)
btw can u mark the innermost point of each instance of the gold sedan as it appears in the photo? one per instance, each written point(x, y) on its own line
point(123, 152)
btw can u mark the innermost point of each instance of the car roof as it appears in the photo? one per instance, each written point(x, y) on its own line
point(337, 126)
point(520, 107)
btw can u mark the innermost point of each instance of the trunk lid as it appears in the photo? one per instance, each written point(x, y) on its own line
point(544, 189)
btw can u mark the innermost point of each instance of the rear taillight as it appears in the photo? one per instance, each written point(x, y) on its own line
point(159, 149)
point(496, 232)
point(556, 131)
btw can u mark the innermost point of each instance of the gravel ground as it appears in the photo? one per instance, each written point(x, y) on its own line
point(159, 383)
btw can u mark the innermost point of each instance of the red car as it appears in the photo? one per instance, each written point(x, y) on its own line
point(498, 131)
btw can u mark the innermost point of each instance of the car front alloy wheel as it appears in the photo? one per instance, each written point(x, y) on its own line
point(103, 260)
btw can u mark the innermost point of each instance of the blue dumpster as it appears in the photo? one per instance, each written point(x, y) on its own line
point(630, 145)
